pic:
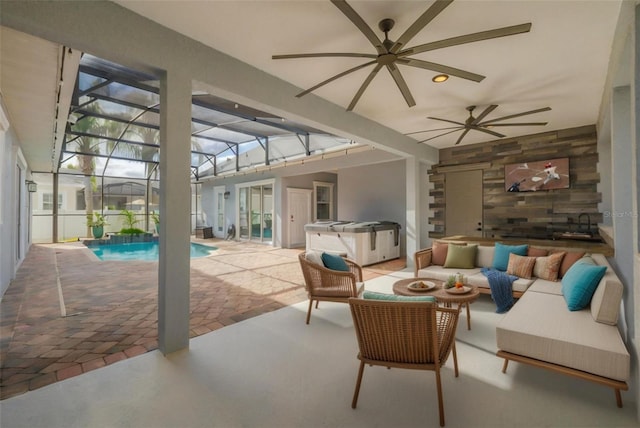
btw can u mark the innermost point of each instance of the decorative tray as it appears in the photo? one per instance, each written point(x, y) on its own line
point(462, 290)
point(421, 286)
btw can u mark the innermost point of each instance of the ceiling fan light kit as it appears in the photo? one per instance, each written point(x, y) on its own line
point(390, 54)
point(439, 78)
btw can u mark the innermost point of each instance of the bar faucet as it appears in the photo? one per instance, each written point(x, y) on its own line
point(588, 223)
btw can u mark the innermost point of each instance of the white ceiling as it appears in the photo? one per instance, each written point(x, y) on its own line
point(561, 63)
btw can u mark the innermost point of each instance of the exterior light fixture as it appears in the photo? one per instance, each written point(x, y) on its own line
point(31, 186)
point(227, 194)
point(440, 78)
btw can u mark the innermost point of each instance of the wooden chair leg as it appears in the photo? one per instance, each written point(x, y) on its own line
point(455, 358)
point(354, 402)
point(309, 311)
point(468, 317)
point(317, 303)
point(440, 403)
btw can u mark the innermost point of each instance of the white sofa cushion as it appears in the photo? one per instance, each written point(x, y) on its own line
point(442, 273)
point(562, 337)
point(545, 286)
point(606, 300)
point(484, 256)
point(480, 280)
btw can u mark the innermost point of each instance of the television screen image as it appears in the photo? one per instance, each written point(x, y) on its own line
point(535, 176)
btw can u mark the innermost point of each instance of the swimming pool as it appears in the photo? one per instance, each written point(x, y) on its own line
point(142, 251)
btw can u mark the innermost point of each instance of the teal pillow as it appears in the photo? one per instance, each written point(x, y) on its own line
point(501, 254)
point(579, 284)
point(461, 256)
point(334, 262)
point(372, 295)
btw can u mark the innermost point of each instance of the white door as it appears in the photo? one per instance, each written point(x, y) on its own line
point(463, 210)
point(298, 214)
point(218, 217)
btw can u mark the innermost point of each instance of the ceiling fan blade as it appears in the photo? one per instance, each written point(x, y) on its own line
point(462, 136)
point(447, 120)
point(402, 84)
point(515, 124)
point(323, 55)
point(517, 115)
point(467, 38)
point(487, 131)
point(359, 22)
point(451, 71)
point(437, 136)
point(364, 86)
point(484, 114)
point(433, 11)
point(436, 129)
point(337, 76)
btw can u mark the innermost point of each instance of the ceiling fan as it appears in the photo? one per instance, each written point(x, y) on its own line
point(390, 54)
point(476, 123)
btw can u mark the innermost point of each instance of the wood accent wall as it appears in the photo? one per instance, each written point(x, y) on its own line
point(526, 214)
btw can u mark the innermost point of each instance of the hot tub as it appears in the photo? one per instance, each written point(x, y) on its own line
point(365, 242)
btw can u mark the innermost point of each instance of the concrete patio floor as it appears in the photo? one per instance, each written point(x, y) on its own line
point(67, 313)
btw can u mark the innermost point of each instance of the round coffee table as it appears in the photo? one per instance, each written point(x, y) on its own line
point(441, 295)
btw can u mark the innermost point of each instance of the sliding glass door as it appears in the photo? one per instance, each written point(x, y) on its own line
point(255, 211)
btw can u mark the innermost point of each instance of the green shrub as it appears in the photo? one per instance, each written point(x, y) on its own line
point(131, 231)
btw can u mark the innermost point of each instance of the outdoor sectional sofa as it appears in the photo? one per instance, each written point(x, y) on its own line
point(541, 329)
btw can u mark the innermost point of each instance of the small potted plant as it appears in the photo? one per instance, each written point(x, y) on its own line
point(97, 222)
point(156, 219)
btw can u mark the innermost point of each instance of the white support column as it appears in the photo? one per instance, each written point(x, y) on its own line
point(175, 203)
point(413, 208)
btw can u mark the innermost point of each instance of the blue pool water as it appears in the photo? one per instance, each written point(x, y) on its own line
point(142, 251)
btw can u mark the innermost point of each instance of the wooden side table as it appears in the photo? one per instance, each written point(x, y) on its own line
point(442, 296)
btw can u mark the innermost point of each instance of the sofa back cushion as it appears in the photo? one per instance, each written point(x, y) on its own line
point(605, 303)
point(484, 256)
point(537, 252)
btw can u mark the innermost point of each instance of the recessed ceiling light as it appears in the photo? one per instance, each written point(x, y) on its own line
point(440, 78)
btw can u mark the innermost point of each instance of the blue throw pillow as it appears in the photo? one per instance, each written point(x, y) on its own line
point(372, 295)
point(501, 254)
point(579, 284)
point(334, 262)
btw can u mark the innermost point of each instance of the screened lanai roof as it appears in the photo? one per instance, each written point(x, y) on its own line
point(114, 122)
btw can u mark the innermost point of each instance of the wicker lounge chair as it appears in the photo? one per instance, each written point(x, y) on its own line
point(408, 335)
point(330, 285)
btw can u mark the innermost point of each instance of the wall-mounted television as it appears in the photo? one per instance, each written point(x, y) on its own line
point(535, 176)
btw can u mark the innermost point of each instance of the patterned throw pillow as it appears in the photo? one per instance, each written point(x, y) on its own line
point(548, 267)
point(520, 266)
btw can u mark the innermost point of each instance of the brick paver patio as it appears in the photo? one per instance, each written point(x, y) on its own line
point(67, 313)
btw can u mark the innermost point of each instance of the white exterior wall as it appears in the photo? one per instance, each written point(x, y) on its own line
point(14, 231)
